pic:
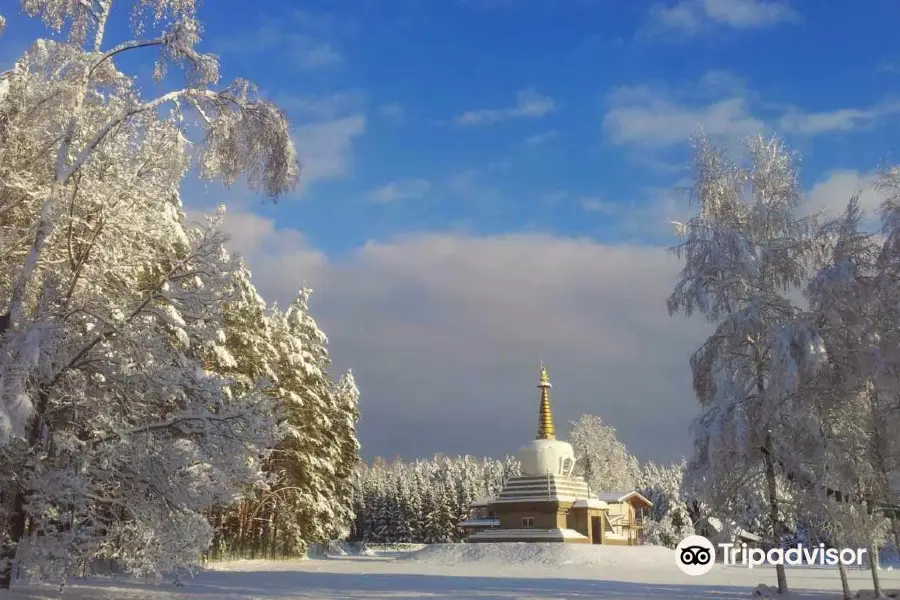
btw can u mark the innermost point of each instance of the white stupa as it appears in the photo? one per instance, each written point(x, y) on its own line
point(546, 503)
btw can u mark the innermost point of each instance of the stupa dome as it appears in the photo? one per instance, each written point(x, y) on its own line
point(541, 457)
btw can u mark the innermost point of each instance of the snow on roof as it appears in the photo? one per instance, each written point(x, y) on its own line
point(717, 526)
point(746, 535)
point(537, 498)
point(621, 497)
point(714, 523)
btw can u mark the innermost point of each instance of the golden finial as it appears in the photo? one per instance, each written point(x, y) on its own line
point(545, 376)
point(545, 423)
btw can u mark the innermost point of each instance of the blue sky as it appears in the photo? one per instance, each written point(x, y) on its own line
point(489, 182)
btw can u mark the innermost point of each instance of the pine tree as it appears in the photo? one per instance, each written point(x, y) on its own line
point(343, 422)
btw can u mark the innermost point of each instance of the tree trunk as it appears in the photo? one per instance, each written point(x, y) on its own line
point(15, 531)
point(845, 583)
point(895, 526)
point(873, 566)
point(17, 518)
point(772, 491)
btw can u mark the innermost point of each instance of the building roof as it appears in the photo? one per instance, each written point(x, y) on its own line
point(543, 488)
point(622, 497)
point(717, 526)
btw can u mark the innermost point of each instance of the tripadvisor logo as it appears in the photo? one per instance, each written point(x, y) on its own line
point(696, 555)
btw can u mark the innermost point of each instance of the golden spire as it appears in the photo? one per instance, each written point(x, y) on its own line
point(545, 425)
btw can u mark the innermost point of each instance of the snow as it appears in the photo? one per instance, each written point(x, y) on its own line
point(590, 503)
point(530, 554)
point(476, 571)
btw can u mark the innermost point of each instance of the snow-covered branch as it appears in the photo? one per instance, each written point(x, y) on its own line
point(66, 171)
point(188, 425)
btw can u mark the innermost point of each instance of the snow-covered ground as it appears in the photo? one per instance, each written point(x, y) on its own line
point(480, 572)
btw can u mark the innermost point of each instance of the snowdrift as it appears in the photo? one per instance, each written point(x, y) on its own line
point(548, 555)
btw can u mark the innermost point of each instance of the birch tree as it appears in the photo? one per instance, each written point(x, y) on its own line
point(112, 303)
point(244, 134)
point(742, 253)
point(601, 458)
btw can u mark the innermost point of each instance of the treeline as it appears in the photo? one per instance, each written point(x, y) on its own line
point(423, 501)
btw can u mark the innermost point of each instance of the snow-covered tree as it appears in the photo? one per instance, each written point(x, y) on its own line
point(344, 417)
point(309, 492)
point(743, 253)
point(852, 299)
point(244, 134)
point(668, 520)
point(111, 305)
point(601, 458)
point(136, 438)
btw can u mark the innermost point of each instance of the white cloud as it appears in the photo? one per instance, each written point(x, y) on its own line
point(326, 24)
point(832, 194)
point(596, 205)
point(848, 119)
point(645, 115)
point(400, 190)
point(554, 197)
point(529, 104)
point(308, 53)
point(280, 259)
point(498, 166)
point(393, 111)
point(471, 185)
point(720, 105)
point(748, 14)
point(294, 48)
point(444, 333)
point(326, 149)
point(321, 107)
point(689, 18)
point(541, 139)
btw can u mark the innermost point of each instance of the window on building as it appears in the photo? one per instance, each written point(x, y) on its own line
point(527, 522)
point(567, 465)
